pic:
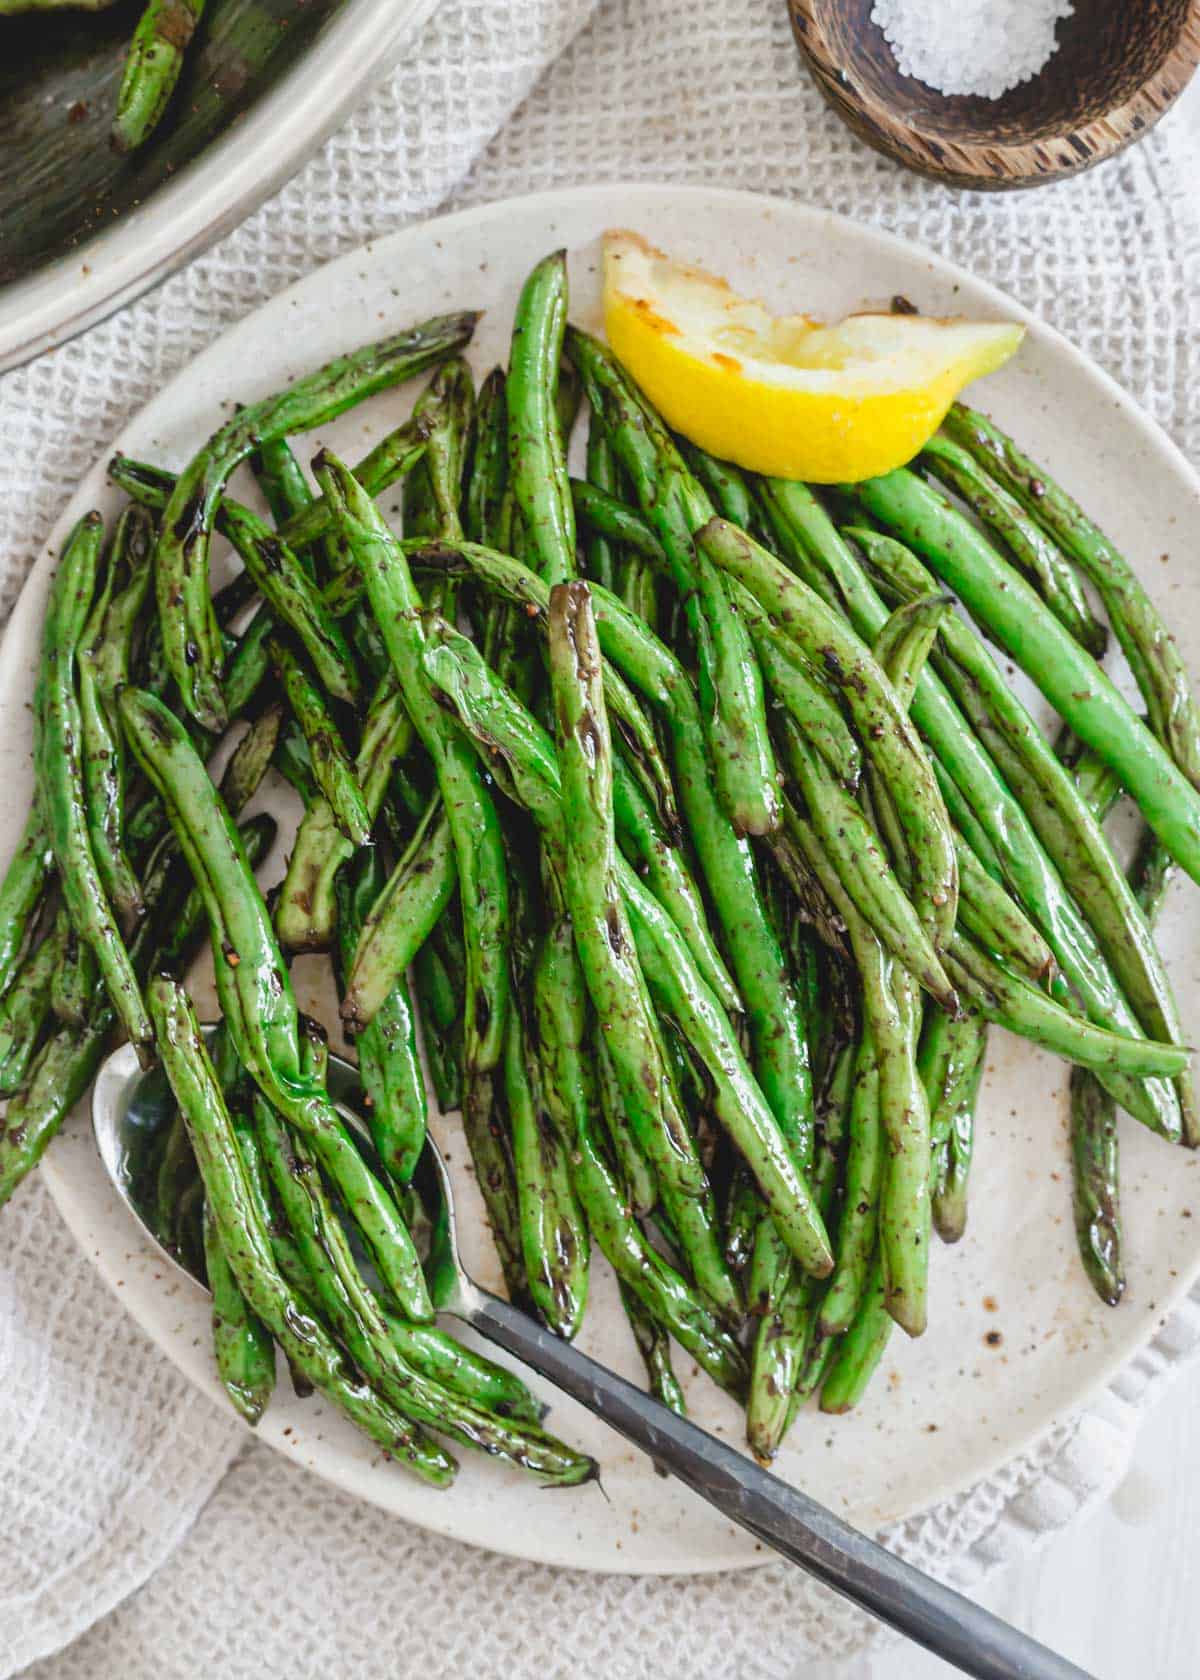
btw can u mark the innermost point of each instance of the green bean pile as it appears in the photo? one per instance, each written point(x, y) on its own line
point(153, 64)
point(695, 834)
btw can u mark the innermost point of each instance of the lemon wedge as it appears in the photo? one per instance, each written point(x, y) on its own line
point(785, 395)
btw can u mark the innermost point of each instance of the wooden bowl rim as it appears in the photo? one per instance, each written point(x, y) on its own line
point(995, 162)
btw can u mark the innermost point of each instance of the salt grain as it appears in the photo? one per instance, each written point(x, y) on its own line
point(971, 46)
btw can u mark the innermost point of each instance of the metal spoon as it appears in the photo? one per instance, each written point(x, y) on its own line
point(131, 1107)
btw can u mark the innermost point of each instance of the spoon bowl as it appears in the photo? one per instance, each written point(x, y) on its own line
point(133, 1109)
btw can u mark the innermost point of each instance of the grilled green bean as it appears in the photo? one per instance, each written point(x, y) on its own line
point(1153, 657)
point(599, 550)
point(361, 1326)
point(954, 1160)
point(906, 640)
point(291, 761)
point(332, 768)
point(488, 474)
point(61, 1072)
point(57, 757)
point(1094, 1143)
point(281, 479)
point(889, 740)
point(172, 950)
point(950, 1050)
point(768, 1272)
point(251, 759)
point(191, 641)
point(244, 1238)
point(478, 843)
point(785, 1346)
point(856, 1355)
point(951, 1063)
point(393, 1086)
point(25, 1006)
point(487, 518)
point(153, 66)
point(401, 918)
point(1094, 1177)
point(815, 548)
point(68, 1060)
point(605, 940)
point(536, 458)
point(388, 463)
point(438, 992)
point(491, 1157)
point(636, 1174)
point(473, 1377)
point(677, 506)
point(1066, 827)
point(998, 596)
point(743, 1212)
point(772, 1147)
point(440, 1002)
point(724, 482)
point(986, 911)
point(858, 1229)
point(444, 409)
point(21, 889)
point(568, 1091)
point(904, 1109)
point(176, 1172)
point(606, 515)
point(242, 1344)
point(1013, 1003)
point(727, 862)
point(849, 842)
point(104, 658)
point(654, 1345)
point(1035, 553)
point(903, 646)
point(554, 1237)
point(665, 871)
point(247, 667)
point(253, 985)
point(73, 980)
point(792, 687)
point(306, 912)
point(286, 586)
point(1097, 785)
point(568, 400)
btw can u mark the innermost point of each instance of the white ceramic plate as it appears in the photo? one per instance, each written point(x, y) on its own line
point(1016, 1338)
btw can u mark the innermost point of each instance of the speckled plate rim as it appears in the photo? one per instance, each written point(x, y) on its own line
point(78, 1193)
point(216, 191)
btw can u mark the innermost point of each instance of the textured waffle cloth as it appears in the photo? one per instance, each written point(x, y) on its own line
point(116, 1476)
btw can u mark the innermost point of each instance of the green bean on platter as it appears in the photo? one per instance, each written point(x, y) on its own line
point(669, 830)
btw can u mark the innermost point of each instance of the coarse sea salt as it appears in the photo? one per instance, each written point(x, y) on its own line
point(971, 46)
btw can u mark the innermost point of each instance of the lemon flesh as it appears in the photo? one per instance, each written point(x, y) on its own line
point(784, 395)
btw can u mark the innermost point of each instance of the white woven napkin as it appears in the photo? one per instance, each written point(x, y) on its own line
point(107, 1455)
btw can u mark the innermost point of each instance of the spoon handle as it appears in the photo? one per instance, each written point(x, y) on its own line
point(933, 1615)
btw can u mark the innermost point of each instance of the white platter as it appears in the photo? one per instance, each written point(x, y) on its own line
point(942, 1412)
point(230, 176)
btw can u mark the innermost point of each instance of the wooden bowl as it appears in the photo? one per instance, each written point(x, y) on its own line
point(1118, 67)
